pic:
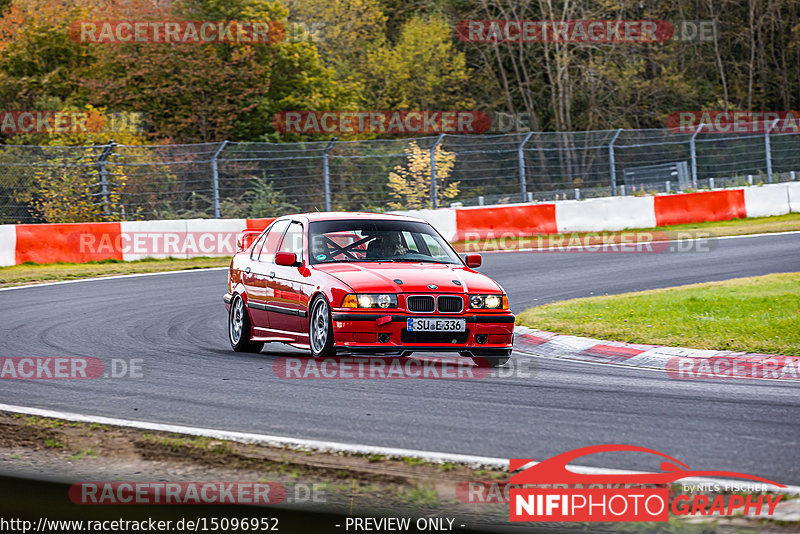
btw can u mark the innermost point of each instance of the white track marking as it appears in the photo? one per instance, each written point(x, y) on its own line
point(113, 277)
point(336, 447)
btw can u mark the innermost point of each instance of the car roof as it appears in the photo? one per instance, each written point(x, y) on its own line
point(350, 215)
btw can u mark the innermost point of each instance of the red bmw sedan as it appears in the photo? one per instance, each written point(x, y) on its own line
point(364, 283)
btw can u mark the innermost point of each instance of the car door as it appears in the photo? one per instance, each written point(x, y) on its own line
point(261, 258)
point(287, 306)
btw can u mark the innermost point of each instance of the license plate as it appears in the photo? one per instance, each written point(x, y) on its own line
point(428, 324)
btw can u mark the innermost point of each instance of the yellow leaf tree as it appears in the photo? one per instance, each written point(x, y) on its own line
point(410, 182)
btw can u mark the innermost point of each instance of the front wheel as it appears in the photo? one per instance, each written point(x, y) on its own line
point(239, 328)
point(320, 328)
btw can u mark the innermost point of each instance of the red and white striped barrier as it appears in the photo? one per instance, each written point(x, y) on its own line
point(82, 242)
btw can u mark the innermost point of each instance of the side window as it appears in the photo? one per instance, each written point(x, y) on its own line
point(257, 246)
point(293, 240)
point(267, 252)
point(434, 248)
point(410, 244)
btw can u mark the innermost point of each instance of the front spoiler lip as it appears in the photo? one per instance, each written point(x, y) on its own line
point(383, 350)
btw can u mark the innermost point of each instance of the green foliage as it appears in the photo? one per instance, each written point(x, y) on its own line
point(259, 201)
point(422, 71)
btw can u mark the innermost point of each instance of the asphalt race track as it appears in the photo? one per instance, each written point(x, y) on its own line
point(176, 324)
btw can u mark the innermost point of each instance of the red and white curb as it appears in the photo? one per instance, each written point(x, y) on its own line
point(677, 362)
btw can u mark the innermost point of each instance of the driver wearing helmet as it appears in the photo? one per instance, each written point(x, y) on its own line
point(392, 245)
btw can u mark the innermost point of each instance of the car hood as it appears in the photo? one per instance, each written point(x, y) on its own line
point(380, 277)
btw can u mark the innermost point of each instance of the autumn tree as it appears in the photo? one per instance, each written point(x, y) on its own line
point(422, 70)
point(411, 182)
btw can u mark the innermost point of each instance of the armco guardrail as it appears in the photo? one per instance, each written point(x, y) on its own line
point(81, 242)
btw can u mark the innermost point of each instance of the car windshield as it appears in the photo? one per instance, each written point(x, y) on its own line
point(378, 240)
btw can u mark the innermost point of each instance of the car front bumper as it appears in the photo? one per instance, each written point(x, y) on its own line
point(486, 335)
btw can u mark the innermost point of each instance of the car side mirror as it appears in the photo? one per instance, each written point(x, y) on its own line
point(287, 259)
point(474, 260)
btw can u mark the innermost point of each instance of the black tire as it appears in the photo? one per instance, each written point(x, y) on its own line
point(320, 328)
point(240, 328)
point(491, 361)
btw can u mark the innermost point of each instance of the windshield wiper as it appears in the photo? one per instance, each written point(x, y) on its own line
point(411, 260)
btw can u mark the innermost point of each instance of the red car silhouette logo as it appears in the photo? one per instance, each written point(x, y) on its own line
point(554, 470)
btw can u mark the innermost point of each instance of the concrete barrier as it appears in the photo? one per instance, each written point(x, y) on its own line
point(793, 189)
point(8, 245)
point(153, 239)
point(767, 200)
point(605, 214)
point(74, 242)
point(497, 221)
point(699, 207)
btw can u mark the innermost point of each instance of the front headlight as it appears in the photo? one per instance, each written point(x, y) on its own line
point(376, 300)
point(488, 302)
point(492, 301)
point(476, 301)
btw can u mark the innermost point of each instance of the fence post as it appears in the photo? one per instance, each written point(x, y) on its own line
point(434, 193)
point(523, 186)
point(103, 174)
point(215, 176)
point(611, 163)
point(326, 175)
point(693, 154)
point(768, 150)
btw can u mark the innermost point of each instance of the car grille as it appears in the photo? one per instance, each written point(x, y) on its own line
point(420, 304)
point(450, 304)
point(434, 337)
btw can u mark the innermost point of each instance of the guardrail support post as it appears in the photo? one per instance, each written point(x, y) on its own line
point(693, 154)
point(434, 193)
point(768, 150)
point(215, 176)
point(612, 163)
point(103, 174)
point(523, 186)
point(326, 174)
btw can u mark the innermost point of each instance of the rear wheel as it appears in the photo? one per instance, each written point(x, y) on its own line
point(320, 328)
point(239, 328)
